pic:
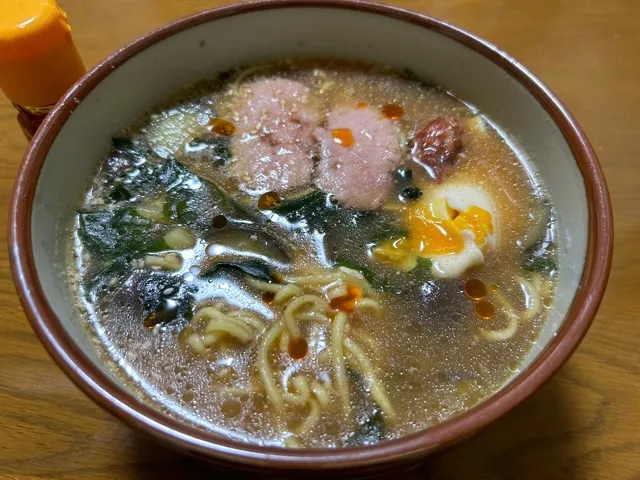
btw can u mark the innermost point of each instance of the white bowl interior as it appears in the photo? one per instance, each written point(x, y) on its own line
point(168, 65)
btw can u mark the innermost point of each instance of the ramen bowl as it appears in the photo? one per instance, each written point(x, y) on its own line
point(75, 136)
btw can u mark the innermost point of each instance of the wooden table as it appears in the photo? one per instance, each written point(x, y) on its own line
point(584, 424)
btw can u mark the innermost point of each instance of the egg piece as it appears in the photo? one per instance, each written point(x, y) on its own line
point(453, 266)
point(473, 215)
point(472, 203)
point(454, 227)
point(391, 252)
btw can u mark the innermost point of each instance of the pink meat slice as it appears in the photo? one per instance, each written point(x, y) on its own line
point(358, 176)
point(274, 145)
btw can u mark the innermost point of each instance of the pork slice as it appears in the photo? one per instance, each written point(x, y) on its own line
point(359, 175)
point(274, 145)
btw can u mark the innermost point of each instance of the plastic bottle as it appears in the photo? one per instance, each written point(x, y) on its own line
point(38, 59)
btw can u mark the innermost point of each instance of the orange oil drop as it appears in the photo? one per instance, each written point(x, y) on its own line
point(392, 111)
point(485, 310)
point(475, 289)
point(347, 303)
point(220, 221)
point(268, 297)
point(343, 136)
point(298, 348)
point(222, 127)
point(269, 201)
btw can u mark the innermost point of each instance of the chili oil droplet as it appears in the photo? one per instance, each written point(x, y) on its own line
point(475, 289)
point(298, 348)
point(269, 201)
point(343, 136)
point(222, 127)
point(268, 297)
point(392, 111)
point(220, 221)
point(485, 310)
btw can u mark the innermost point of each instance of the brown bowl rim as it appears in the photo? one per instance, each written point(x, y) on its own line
point(125, 406)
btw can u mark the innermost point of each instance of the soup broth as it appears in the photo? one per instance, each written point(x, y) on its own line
point(314, 254)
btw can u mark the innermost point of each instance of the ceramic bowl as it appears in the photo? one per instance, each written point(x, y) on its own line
point(76, 135)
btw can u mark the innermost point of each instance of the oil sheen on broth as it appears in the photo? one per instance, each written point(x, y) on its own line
point(314, 253)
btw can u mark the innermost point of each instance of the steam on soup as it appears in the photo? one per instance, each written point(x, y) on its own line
point(314, 253)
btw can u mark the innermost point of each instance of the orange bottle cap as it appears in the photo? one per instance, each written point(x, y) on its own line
point(28, 27)
point(38, 59)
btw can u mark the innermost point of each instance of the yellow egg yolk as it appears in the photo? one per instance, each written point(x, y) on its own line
point(478, 221)
point(436, 228)
point(432, 236)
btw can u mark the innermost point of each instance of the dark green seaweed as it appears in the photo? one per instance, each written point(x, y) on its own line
point(372, 428)
point(118, 233)
point(128, 148)
point(216, 148)
point(541, 257)
point(254, 268)
point(540, 264)
point(294, 209)
point(371, 431)
point(387, 278)
point(164, 298)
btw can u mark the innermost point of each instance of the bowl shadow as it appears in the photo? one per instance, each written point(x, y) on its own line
point(530, 442)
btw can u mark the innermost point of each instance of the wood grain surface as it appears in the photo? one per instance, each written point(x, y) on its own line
point(584, 424)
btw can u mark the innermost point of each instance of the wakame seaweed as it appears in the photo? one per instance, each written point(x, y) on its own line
point(132, 181)
point(164, 298)
point(196, 207)
point(109, 234)
point(217, 148)
point(120, 193)
point(108, 273)
point(540, 258)
point(313, 212)
point(371, 431)
point(254, 268)
point(112, 234)
point(294, 210)
point(117, 235)
point(540, 264)
point(388, 279)
point(128, 148)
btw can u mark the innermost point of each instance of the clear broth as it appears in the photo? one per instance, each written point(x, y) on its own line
point(426, 351)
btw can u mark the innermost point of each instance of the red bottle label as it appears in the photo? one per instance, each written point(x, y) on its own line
point(30, 118)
